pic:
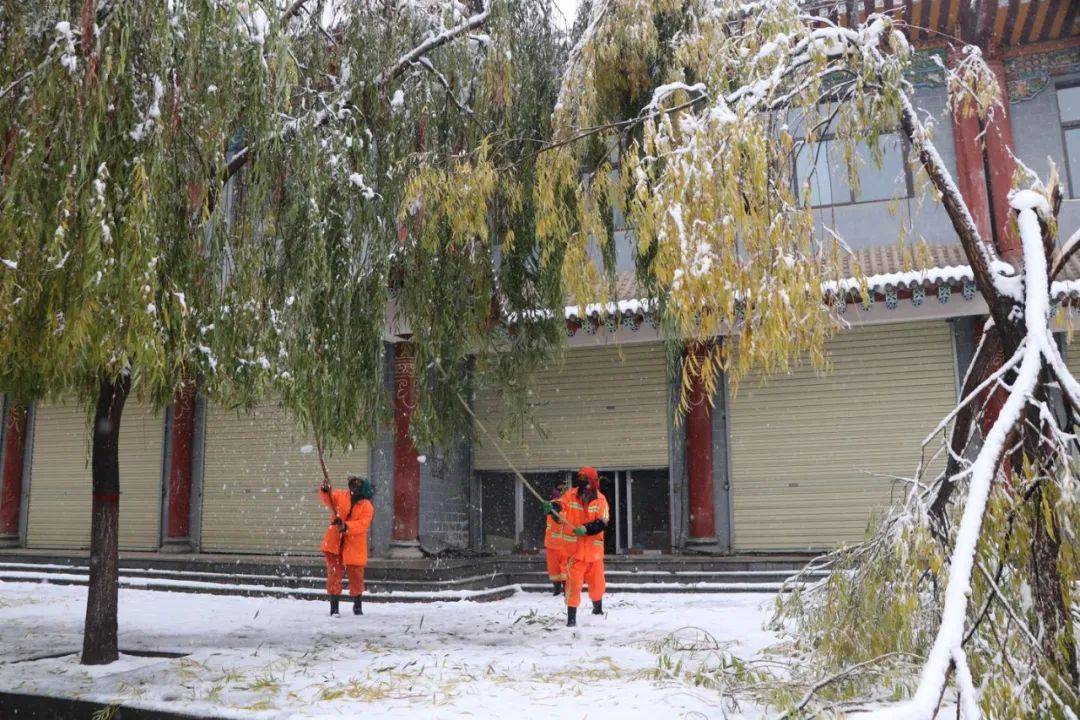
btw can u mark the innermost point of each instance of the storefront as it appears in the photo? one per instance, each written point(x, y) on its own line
point(604, 406)
point(815, 455)
point(59, 488)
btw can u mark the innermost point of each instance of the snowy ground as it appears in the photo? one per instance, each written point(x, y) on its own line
point(274, 658)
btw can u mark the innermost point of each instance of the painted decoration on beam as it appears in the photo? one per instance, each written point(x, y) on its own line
point(1029, 75)
point(969, 290)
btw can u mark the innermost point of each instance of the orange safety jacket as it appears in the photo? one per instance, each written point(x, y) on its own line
point(338, 501)
point(558, 537)
point(589, 548)
point(357, 517)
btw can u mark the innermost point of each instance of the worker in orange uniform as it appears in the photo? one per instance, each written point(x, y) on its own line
point(344, 544)
point(559, 542)
point(585, 509)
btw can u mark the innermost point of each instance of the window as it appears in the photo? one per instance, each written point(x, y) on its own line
point(1069, 111)
point(824, 167)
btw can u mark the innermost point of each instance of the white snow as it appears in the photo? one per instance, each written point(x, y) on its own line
point(153, 113)
point(64, 36)
point(948, 644)
point(663, 91)
point(357, 180)
point(277, 658)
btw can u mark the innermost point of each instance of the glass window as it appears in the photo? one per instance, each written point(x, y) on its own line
point(1069, 109)
point(885, 182)
point(1072, 154)
point(1069, 103)
point(820, 187)
point(827, 172)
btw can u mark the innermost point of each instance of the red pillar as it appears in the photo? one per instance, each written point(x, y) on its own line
point(999, 160)
point(699, 460)
point(970, 169)
point(182, 440)
point(11, 474)
point(406, 460)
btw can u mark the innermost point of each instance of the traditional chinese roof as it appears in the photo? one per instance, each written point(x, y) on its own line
point(890, 274)
point(997, 23)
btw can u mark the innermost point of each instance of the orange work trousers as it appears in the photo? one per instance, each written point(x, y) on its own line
point(580, 572)
point(334, 571)
point(556, 564)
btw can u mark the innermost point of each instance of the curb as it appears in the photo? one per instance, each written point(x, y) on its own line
point(17, 706)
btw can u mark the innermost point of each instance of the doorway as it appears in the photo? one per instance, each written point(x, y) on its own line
point(638, 501)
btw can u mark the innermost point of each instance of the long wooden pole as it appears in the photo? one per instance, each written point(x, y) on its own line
point(498, 448)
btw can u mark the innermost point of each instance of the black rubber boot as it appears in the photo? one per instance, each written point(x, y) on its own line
point(334, 605)
point(556, 588)
point(598, 607)
point(357, 606)
point(571, 617)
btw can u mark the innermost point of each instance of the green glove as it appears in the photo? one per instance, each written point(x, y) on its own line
point(548, 507)
point(579, 530)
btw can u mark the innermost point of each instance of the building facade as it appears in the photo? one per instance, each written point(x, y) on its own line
point(797, 462)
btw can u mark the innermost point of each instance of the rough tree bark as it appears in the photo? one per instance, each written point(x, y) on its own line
point(99, 636)
point(1056, 631)
point(1002, 341)
point(987, 360)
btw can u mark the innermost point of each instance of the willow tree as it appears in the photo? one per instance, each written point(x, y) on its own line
point(210, 190)
point(688, 116)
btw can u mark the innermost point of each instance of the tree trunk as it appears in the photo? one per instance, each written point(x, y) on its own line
point(99, 636)
point(1055, 629)
point(988, 359)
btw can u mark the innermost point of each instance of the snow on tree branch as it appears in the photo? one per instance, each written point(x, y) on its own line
point(948, 646)
point(431, 43)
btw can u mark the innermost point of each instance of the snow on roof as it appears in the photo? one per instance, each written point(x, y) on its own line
point(884, 269)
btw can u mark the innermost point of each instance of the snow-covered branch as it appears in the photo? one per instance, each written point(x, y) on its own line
point(432, 43)
point(1064, 253)
point(947, 651)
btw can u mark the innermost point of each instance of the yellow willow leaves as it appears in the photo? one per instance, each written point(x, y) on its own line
point(573, 213)
point(451, 205)
point(973, 87)
point(733, 246)
point(614, 64)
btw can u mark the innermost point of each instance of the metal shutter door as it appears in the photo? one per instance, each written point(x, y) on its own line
point(1071, 353)
point(802, 445)
point(59, 513)
point(605, 407)
point(259, 488)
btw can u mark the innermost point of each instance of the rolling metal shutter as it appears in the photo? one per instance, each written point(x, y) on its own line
point(259, 486)
point(59, 513)
point(811, 455)
point(605, 407)
point(1071, 353)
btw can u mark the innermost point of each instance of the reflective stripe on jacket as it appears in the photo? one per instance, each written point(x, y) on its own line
point(588, 547)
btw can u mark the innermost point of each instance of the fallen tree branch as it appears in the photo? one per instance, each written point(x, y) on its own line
point(824, 683)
